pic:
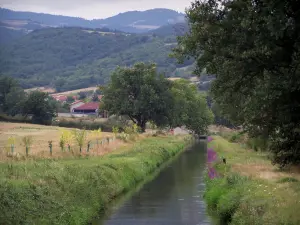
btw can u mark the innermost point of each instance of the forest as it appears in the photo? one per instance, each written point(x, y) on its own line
point(71, 58)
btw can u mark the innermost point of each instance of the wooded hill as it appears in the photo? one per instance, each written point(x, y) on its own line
point(71, 58)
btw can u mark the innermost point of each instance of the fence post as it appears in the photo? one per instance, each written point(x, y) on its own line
point(88, 146)
point(50, 147)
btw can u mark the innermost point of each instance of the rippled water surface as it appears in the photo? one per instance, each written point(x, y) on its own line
point(173, 197)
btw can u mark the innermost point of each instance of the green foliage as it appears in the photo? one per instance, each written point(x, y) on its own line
point(258, 143)
point(72, 58)
point(236, 137)
point(144, 96)
point(223, 196)
point(115, 130)
point(11, 96)
point(27, 142)
point(288, 179)
point(189, 108)
point(41, 106)
point(249, 200)
point(80, 137)
point(253, 48)
point(139, 93)
point(73, 191)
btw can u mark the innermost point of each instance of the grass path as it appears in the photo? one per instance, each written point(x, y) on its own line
point(252, 191)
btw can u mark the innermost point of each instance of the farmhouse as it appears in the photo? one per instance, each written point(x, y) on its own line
point(76, 104)
point(87, 108)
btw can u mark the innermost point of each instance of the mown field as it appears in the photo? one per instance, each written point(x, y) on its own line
point(41, 135)
point(250, 190)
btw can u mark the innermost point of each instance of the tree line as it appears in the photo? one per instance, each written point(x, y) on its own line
point(15, 101)
point(139, 92)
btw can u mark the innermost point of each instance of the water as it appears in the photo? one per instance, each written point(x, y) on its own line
point(173, 197)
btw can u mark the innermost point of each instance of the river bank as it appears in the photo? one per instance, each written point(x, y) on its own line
point(249, 189)
point(72, 191)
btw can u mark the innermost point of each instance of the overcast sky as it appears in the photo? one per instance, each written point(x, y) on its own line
point(92, 9)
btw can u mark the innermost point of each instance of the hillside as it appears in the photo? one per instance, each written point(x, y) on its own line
point(133, 21)
point(71, 58)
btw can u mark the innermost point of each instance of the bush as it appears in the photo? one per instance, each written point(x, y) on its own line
point(223, 195)
point(258, 143)
point(16, 119)
point(236, 137)
point(85, 124)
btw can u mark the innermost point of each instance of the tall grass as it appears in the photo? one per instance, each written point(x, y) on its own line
point(73, 191)
point(249, 200)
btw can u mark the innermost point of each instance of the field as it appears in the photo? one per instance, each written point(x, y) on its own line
point(41, 135)
point(76, 91)
point(73, 190)
point(42, 89)
point(250, 190)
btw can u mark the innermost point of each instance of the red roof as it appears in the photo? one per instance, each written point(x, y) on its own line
point(100, 97)
point(89, 106)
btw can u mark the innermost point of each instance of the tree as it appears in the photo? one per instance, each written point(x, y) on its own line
point(14, 101)
point(82, 95)
point(6, 86)
point(253, 47)
point(40, 106)
point(11, 96)
point(70, 99)
point(95, 97)
point(189, 108)
point(139, 93)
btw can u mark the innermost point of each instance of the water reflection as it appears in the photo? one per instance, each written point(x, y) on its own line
point(173, 197)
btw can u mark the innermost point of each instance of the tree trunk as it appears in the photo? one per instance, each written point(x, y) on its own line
point(142, 125)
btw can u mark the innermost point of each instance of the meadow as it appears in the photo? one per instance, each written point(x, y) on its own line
point(249, 189)
point(13, 133)
point(74, 190)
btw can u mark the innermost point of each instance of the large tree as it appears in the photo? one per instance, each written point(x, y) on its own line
point(253, 47)
point(189, 108)
point(11, 96)
point(41, 106)
point(139, 93)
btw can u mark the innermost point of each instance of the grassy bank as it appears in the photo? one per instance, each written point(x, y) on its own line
point(250, 190)
point(72, 191)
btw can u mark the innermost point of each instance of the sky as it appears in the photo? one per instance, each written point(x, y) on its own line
point(92, 9)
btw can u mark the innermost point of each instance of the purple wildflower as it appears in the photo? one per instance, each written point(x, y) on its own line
point(212, 173)
point(209, 139)
point(211, 155)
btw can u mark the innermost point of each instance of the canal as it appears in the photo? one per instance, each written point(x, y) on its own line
point(173, 197)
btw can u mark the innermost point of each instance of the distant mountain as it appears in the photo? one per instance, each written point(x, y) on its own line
point(71, 58)
point(177, 29)
point(133, 21)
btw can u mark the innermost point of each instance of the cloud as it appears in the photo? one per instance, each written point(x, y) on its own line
point(92, 9)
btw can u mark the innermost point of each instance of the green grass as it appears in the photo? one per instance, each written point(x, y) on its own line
point(242, 196)
point(72, 191)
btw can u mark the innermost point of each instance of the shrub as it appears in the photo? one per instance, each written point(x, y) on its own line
point(27, 142)
point(258, 143)
point(288, 179)
point(79, 137)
